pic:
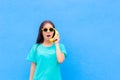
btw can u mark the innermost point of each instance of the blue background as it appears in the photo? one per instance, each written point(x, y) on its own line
point(89, 29)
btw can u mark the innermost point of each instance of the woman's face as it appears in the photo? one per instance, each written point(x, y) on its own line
point(47, 31)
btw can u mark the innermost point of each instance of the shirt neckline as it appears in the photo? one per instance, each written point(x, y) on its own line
point(47, 46)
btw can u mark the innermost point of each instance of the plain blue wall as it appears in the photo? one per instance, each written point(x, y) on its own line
point(90, 30)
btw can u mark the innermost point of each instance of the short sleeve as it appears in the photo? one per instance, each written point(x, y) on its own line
point(32, 55)
point(63, 50)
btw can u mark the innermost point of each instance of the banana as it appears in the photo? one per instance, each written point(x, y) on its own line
point(56, 34)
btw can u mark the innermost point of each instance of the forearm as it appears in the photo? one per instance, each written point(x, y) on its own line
point(59, 54)
point(32, 70)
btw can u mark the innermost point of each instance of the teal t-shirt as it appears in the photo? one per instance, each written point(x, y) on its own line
point(47, 66)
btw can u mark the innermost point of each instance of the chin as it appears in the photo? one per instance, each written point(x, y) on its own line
point(47, 38)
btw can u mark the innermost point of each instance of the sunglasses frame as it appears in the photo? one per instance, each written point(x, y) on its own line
point(48, 29)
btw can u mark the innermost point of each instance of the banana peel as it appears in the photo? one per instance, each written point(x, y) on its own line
point(56, 34)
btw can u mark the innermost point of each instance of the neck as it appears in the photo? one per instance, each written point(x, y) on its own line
point(47, 43)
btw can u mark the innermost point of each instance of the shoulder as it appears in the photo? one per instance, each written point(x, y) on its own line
point(35, 45)
point(61, 45)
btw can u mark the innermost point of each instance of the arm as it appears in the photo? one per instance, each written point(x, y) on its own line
point(32, 70)
point(59, 54)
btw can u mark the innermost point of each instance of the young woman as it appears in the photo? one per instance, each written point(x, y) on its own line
point(46, 56)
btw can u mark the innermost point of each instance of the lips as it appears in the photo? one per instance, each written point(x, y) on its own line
point(48, 35)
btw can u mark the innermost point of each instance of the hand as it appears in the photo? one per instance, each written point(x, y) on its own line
point(57, 39)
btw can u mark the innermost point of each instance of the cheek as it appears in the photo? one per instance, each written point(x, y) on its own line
point(43, 34)
point(52, 33)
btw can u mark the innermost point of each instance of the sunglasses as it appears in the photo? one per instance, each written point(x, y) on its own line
point(48, 29)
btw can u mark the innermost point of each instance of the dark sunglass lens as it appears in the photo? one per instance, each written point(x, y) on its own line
point(51, 29)
point(45, 30)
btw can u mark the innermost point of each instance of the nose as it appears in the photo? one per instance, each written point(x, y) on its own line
point(48, 31)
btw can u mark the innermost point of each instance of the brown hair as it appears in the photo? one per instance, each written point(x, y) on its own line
point(40, 38)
